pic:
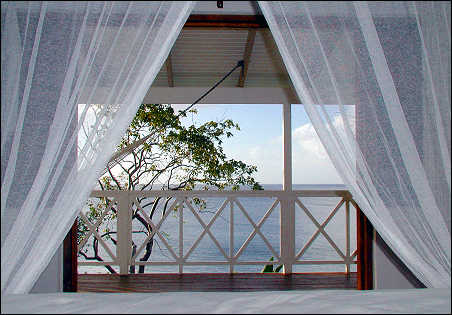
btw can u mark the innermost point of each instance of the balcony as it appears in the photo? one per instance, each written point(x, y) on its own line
point(222, 240)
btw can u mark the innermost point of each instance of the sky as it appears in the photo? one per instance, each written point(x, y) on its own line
point(259, 141)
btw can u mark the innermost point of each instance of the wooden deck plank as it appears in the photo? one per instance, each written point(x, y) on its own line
point(214, 282)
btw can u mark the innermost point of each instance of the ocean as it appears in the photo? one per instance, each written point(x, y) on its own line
point(257, 249)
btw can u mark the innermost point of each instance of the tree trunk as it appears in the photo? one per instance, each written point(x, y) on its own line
point(146, 256)
point(134, 250)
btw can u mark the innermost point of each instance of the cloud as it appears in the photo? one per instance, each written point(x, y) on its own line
point(268, 159)
point(310, 162)
point(306, 141)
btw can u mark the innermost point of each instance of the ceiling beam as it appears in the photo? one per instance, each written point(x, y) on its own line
point(169, 71)
point(247, 56)
point(222, 95)
point(226, 21)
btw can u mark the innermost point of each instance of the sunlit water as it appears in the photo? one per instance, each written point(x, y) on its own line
point(257, 249)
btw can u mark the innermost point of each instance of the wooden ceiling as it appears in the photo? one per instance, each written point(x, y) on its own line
point(210, 45)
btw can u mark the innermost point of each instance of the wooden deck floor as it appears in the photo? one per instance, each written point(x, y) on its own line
point(214, 282)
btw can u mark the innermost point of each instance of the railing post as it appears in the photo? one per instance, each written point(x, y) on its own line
point(181, 238)
point(287, 218)
point(123, 246)
point(231, 236)
point(287, 244)
point(287, 148)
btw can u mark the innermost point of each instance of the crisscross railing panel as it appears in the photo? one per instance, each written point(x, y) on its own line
point(155, 229)
point(93, 231)
point(320, 228)
point(257, 230)
point(345, 256)
point(183, 207)
point(206, 229)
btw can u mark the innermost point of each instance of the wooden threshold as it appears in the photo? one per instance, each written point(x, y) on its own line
point(224, 282)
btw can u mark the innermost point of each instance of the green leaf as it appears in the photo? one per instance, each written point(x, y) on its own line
point(268, 268)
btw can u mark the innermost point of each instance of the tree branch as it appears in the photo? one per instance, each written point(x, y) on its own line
point(114, 178)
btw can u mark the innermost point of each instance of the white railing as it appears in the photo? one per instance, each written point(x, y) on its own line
point(182, 203)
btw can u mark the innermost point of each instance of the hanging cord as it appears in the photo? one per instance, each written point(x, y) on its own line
point(239, 64)
point(118, 156)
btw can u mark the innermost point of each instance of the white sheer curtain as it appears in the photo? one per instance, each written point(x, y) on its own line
point(56, 58)
point(391, 62)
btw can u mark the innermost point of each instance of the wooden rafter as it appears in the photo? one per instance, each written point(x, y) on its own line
point(247, 56)
point(226, 21)
point(253, 21)
point(169, 71)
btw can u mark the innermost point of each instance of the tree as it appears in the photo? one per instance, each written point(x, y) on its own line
point(175, 157)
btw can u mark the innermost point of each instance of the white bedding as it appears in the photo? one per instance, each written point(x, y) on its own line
point(310, 301)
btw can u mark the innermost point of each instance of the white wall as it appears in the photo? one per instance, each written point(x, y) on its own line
point(389, 271)
point(51, 280)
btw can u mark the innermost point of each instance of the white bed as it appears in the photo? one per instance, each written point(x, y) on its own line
point(310, 301)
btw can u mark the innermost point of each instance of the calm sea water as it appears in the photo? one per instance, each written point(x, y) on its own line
point(257, 249)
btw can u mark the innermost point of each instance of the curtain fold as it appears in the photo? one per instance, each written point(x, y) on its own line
point(375, 81)
point(73, 76)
